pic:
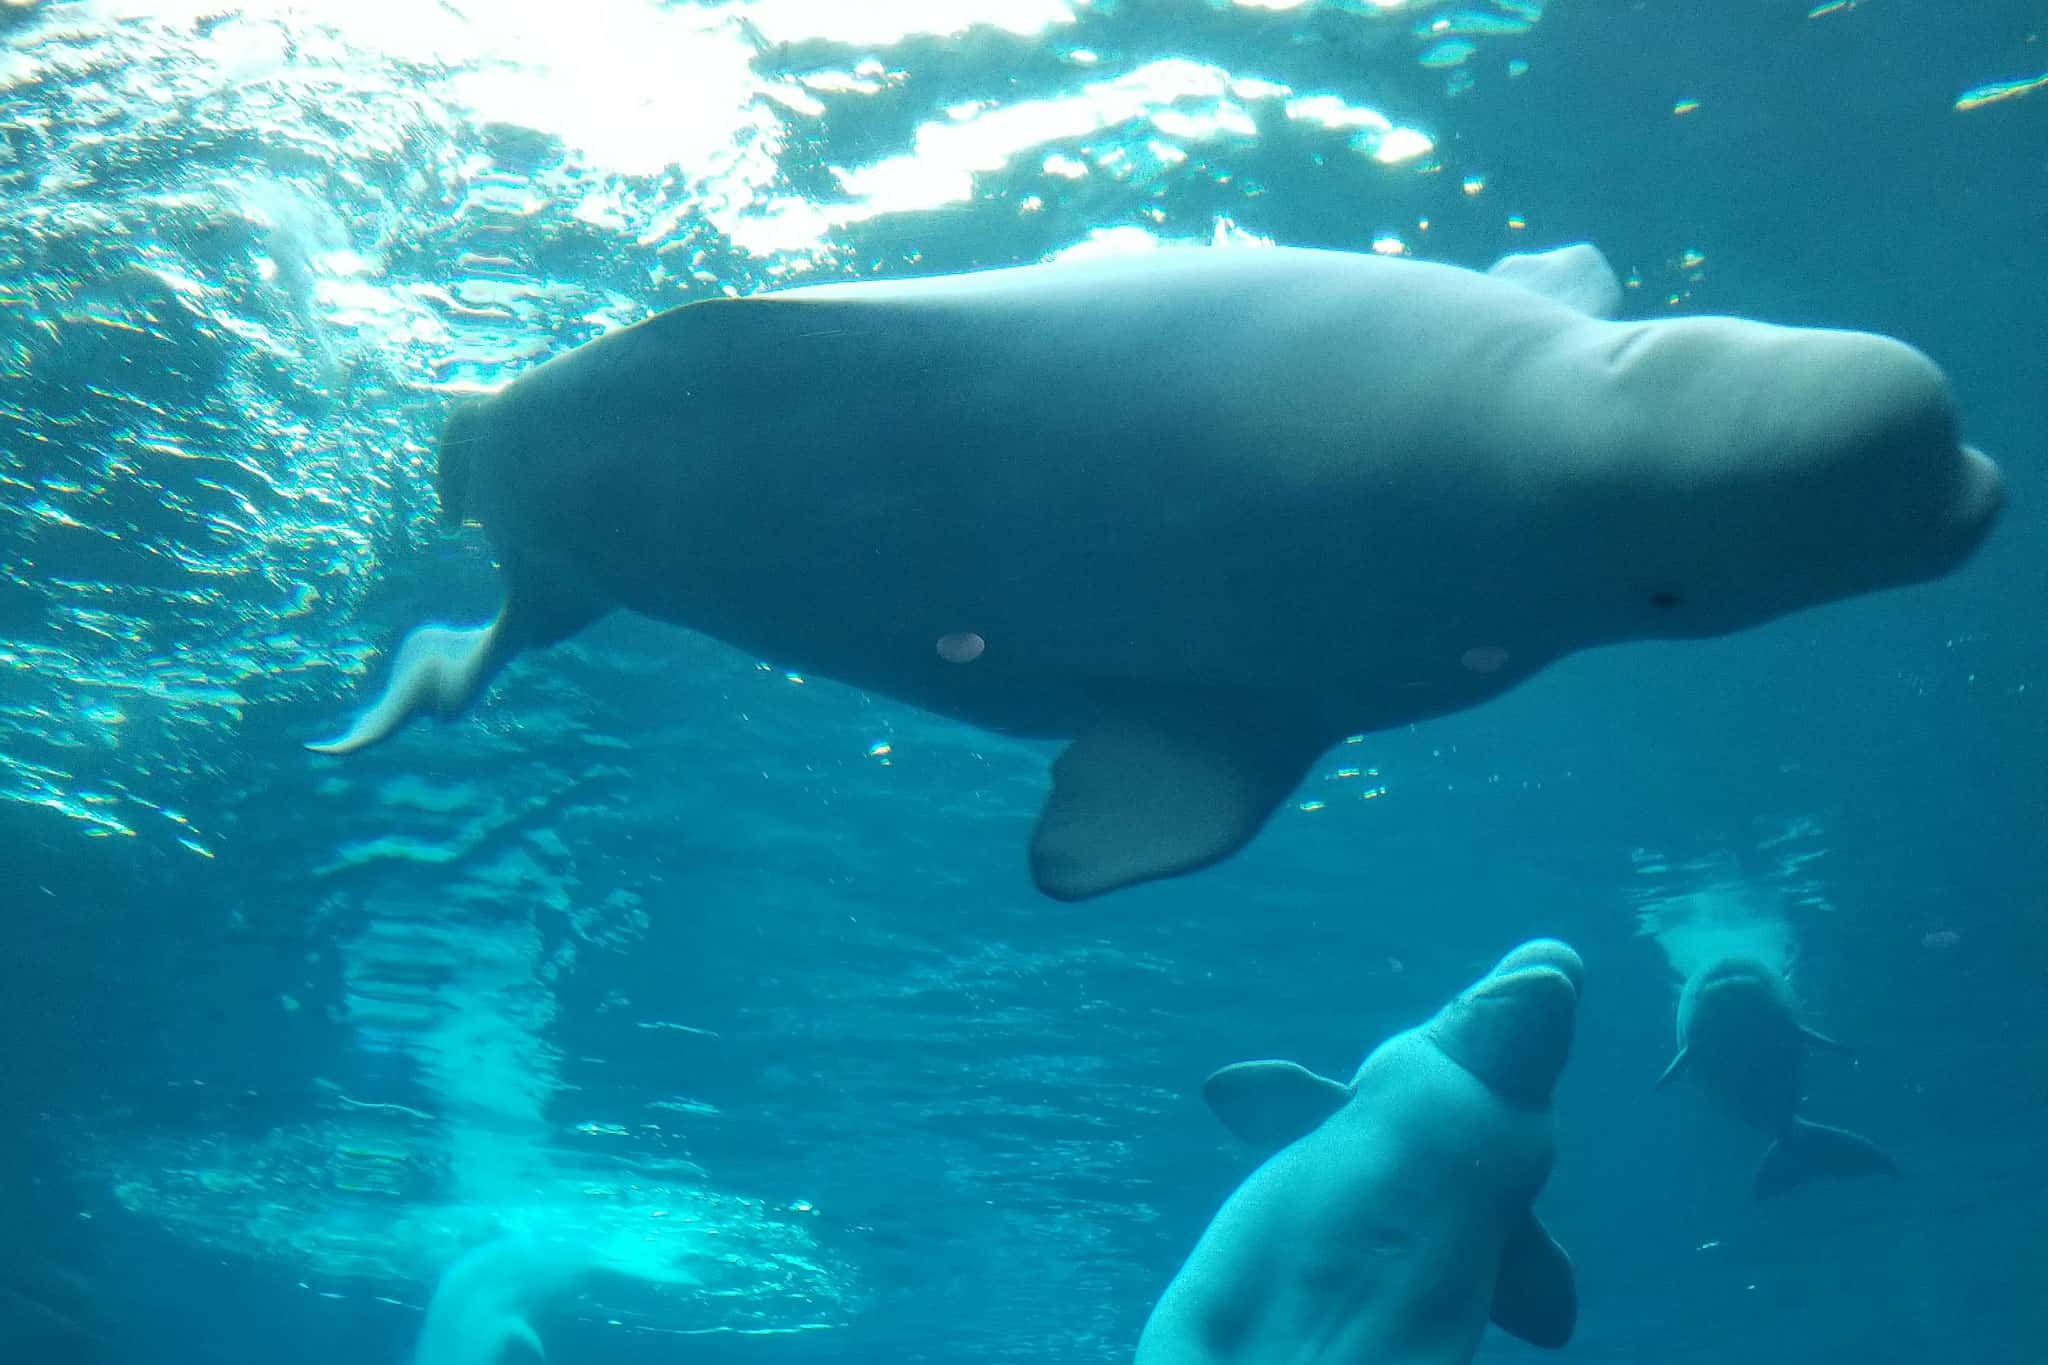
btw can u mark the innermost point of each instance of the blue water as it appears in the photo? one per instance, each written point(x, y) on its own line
point(730, 968)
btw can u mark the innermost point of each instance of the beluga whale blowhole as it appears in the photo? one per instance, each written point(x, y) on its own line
point(1201, 511)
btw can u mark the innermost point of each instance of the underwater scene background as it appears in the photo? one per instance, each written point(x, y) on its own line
point(686, 955)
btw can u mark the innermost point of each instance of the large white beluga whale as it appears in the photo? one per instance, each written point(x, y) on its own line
point(1395, 1219)
point(1203, 511)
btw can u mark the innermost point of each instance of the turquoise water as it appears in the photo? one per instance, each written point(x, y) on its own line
point(728, 970)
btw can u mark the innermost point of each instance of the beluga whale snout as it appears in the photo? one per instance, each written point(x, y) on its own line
point(1201, 512)
point(1513, 1027)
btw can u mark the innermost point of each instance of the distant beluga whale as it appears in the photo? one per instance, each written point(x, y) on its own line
point(481, 1308)
point(1739, 1036)
point(481, 1312)
point(1203, 511)
point(1395, 1219)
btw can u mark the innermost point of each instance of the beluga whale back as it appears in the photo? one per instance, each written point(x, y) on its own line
point(1202, 511)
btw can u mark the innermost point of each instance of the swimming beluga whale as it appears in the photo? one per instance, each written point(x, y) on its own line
point(1202, 511)
point(1739, 1035)
point(484, 1301)
point(1395, 1221)
point(481, 1312)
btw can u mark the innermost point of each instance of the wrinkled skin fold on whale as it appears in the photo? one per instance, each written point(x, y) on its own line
point(1209, 510)
point(1392, 1217)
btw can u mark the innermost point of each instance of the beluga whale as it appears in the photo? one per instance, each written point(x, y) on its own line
point(1203, 512)
point(481, 1310)
point(1740, 1037)
point(483, 1305)
point(1395, 1220)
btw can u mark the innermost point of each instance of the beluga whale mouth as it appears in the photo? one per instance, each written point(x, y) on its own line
point(1201, 512)
point(1980, 497)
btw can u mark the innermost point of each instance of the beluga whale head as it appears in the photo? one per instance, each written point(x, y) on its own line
point(1513, 1027)
point(1767, 469)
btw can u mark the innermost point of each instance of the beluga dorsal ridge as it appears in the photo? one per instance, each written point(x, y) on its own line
point(1203, 512)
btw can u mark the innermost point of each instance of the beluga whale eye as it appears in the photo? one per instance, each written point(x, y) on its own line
point(1665, 598)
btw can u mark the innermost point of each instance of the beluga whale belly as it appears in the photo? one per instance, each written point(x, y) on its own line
point(1395, 1220)
point(1202, 511)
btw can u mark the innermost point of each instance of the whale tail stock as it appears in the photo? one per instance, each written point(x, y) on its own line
point(1814, 1151)
point(439, 670)
point(442, 670)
